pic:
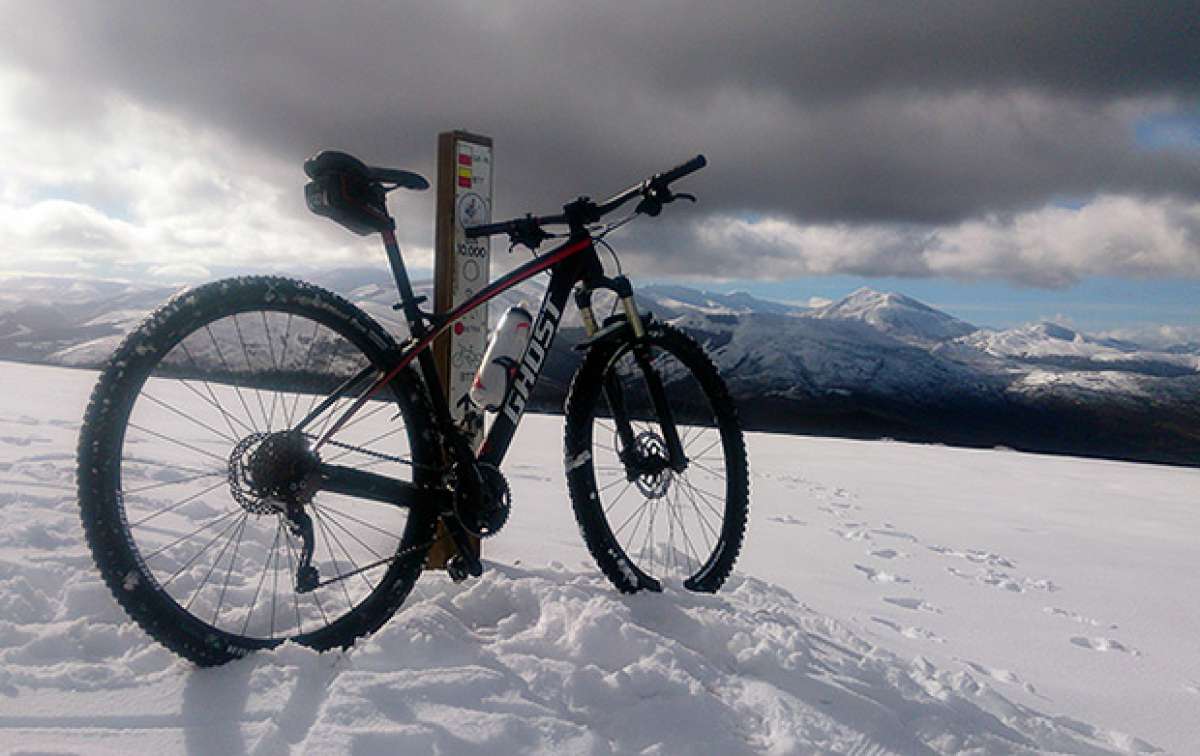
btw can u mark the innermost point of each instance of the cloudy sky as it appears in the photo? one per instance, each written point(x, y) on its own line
point(1005, 160)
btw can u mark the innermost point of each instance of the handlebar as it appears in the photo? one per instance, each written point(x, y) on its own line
point(654, 191)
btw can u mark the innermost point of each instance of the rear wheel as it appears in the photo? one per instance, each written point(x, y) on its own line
point(191, 474)
point(643, 517)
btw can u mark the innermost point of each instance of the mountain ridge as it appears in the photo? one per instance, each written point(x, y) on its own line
point(871, 364)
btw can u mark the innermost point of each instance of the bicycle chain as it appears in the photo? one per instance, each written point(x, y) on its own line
point(377, 455)
point(398, 555)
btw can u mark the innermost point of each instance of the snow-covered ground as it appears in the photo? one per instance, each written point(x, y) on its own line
point(890, 598)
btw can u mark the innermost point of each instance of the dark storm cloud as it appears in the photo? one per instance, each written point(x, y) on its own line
point(918, 113)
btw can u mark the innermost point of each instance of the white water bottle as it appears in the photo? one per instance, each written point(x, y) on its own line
point(499, 364)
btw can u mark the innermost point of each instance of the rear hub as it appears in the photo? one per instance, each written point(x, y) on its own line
point(270, 472)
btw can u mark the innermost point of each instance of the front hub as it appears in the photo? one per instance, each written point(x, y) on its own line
point(648, 466)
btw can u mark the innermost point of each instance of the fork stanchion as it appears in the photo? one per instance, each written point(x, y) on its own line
point(460, 269)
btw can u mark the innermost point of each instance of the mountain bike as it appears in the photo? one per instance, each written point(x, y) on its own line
point(261, 460)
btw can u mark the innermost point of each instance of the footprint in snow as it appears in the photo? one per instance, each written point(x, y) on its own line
point(787, 520)
point(973, 555)
point(1075, 617)
point(1004, 581)
point(1192, 688)
point(1104, 644)
point(914, 633)
point(1000, 675)
point(854, 534)
point(23, 440)
point(917, 605)
point(888, 554)
point(879, 576)
point(890, 531)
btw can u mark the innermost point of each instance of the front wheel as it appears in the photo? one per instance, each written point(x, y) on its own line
point(656, 463)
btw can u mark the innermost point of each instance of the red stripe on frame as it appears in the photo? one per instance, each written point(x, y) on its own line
point(455, 314)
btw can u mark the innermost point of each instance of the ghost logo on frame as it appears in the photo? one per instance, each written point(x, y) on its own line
point(531, 365)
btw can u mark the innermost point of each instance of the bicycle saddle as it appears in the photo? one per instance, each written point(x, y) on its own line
point(332, 161)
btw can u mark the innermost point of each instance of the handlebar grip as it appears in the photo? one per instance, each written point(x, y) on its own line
point(487, 229)
point(682, 170)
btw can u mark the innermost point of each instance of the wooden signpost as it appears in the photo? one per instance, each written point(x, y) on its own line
point(460, 269)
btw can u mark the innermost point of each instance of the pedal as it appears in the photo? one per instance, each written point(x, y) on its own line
point(466, 560)
point(456, 568)
point(307, 579)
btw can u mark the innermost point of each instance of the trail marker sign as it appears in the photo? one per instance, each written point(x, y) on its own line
point(461, 268)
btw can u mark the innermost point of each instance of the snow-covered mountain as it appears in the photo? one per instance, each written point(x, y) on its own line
point(896, 315)
point(871, 364)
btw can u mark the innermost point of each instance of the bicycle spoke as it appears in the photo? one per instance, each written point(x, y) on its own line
point(229, 571)
point(196, 592)
point(706, 526)
point(212, 397)
point(203, 549)
point(262, 579)
point(333, 558)
point(630, 517)
point(186, 536)
point(707, 469)
point(177, 504)
point(130, 491)
point(228, 369)
point(274, 365)
point(177, 442)
point(287, 540)
point(364, 523)
point(382, 406)
point(345, 551)
point(189, 418)
point(237, 326)
point(628, 485)
point(312, 339)
point(275, 575)
point(168, 466)
point(707, 498)
point(332, 516)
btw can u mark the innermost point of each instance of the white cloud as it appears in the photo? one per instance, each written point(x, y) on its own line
point(141, 188)
point(1050, 247)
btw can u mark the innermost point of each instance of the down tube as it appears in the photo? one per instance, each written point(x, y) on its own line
point(520, 391)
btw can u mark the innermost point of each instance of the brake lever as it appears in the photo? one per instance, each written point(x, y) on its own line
point(528, 233)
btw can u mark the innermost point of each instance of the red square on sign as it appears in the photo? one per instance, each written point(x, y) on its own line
point(464, 181)
point(464, 159)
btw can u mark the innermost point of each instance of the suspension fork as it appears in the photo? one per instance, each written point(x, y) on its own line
point(641, 352)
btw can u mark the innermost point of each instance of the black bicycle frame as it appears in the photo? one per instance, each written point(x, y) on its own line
point(572, 262)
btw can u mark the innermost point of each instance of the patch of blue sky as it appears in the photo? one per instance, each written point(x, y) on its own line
point(103, 204)
point(1172, 130)
point(1093, 304)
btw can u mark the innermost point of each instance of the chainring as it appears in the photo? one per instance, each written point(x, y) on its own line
point(482, 499)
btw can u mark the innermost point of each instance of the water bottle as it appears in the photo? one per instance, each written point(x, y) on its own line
point(499, 364)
